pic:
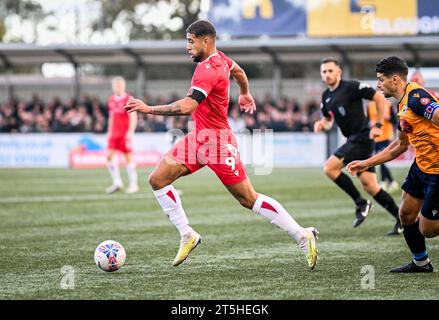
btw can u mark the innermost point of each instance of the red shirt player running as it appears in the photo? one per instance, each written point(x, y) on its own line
point(121, 127)
point(213, 144)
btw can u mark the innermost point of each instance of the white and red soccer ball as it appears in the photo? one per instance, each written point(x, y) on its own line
point(110, 256)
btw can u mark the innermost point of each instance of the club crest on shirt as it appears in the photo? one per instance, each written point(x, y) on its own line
point(425, 101)
point(342, 110)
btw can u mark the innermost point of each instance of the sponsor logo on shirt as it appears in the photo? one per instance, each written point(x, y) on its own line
point(425, 101)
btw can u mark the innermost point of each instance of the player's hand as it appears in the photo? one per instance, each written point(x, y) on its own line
point(137, 105)
point(375, 132)
point(318, 126)
point(247, 103)
point(356, 167)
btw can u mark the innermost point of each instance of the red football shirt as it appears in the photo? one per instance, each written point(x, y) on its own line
point(121, 120)
point(212, 78)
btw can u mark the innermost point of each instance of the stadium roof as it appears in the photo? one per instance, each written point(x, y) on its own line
point(417, 49)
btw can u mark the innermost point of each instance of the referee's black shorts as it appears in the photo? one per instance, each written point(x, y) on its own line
point(351, 151)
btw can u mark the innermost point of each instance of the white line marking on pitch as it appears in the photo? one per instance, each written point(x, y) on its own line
point(91, 197)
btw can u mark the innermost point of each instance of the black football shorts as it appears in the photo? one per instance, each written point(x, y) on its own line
point(425, 186)
point(351, 151)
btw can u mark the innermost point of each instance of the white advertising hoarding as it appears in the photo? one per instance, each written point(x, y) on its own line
point(88, 150)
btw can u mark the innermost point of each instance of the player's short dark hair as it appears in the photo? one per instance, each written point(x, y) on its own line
point(392, 65)
point(202, 28)
point(330, 59)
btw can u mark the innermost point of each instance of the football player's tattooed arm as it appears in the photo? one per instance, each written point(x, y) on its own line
point(394, 150)
point(183, 106)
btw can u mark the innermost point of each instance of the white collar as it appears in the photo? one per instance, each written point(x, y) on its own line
point(212, 55)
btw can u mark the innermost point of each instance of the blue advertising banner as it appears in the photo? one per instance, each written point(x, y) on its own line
point(257, 17)
point(325, 18)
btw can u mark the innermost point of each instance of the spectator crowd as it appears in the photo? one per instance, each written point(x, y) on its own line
point(89, 114)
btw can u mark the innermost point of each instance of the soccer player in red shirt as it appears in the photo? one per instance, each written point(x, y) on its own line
point(121, 127)
point(212, 144)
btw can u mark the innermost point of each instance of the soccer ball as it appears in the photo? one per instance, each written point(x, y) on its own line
point(110, 256)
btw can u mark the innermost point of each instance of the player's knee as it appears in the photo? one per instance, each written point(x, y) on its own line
point(330, 171)
point(370, 188)
point(156, 182)
point(429, 230)
point(407, 217)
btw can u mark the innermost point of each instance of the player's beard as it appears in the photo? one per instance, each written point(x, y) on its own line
point(197, 58)
point(387, 95)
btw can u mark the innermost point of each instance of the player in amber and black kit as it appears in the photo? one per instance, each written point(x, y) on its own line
point(418, 112)
point(342, 103)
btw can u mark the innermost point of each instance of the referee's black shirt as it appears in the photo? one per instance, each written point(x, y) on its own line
point(345, 102)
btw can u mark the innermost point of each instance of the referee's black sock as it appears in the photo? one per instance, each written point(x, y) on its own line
point(385, 173)
point(345, 183)
point(416, 242)
point(387, 202)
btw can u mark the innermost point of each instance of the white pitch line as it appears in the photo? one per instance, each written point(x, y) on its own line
point(90, 197)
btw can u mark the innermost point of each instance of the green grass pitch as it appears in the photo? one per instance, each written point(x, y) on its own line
point(56, 217)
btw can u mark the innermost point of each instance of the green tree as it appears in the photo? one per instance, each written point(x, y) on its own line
point(130, 13)
point(25, 9)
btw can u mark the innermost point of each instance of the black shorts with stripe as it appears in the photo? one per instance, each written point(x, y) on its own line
point(424, 186)
point(351, 151)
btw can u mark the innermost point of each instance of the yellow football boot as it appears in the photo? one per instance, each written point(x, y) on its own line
point(311, 251)
point(188, 243)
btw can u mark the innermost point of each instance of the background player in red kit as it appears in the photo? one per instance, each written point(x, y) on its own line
point(212, 143)
point(121, 127)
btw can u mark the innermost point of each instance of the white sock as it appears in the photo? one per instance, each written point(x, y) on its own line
point(170, 202)
point(132, 173)
point(113, 168)
point(422, 262)
point(277, 215)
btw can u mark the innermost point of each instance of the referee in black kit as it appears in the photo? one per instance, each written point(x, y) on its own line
point(342, 103)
